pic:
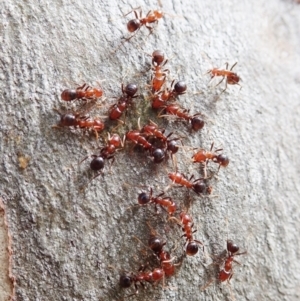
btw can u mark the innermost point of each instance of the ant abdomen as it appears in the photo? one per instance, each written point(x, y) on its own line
point(158, 155)
point(143, 198)
point(68, 120)
point(197, 123)
point(69, 94)
point(158, 57)
point(192, 248)
point(180, 87)
point(133, 25)
point(222, 160)
point(131, 89)
point(97, 163)
point(125, 280)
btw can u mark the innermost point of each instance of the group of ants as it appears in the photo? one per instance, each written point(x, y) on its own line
point(159, 146)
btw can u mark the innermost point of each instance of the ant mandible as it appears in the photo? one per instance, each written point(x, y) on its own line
point(203, 156)
point(230, 77)
point(166, 202)
point(232, 249)
point(124, 101)
point(198, 185)
point(84, 92)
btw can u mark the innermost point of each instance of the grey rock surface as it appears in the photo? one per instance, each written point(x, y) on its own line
point(72, 237)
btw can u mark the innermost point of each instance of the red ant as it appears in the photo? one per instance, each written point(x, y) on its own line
point(137, 137)
point(170, 144)
point(82, 92)
point(198, 185)
point(106, 153)
point(231, 77)
point(226, 273)
point(135, 24)
point(159, 76)
point(124, 101)
point(165, 202)
point(159, 100)
point(126, 279)
point(197, 123)
point(170, 94)
point(156, 245)
point(203, 156)
point(191, 246)
point(81, 121)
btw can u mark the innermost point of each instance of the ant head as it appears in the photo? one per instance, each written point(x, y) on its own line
point(223, 160)
point(158, 57)
point(131, 89)
point(143, 198)
point(197, 123)
point(125, 280)
point(180, 87)
point(97, 163)
point(158, 155)
point(232, 247)
point(192, 248)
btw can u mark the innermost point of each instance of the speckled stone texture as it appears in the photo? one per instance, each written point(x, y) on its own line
point(72, 237)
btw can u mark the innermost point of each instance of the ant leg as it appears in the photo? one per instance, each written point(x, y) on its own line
point(233, 66)
point(133, 10)
point(225, 87)
point(220, 82)
point(203, 288)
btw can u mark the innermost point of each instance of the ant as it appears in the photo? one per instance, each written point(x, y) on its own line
point(156, 245)
point(83, 92)
point(191, 246)
point(159, 76)
point(81, 121)
point(124, 101)
point(159, 100)
point(198, 185)
point(197, 123)
point(170, 94)
point(135, 24)
point(231, 77)
point(203, 156)
point(232, 249)
point(137, 137)
point(166, 202)
point(170, 144)
point(126, 279)
point(106, 153)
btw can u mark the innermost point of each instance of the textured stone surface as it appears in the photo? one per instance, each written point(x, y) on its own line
point(70, 243)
